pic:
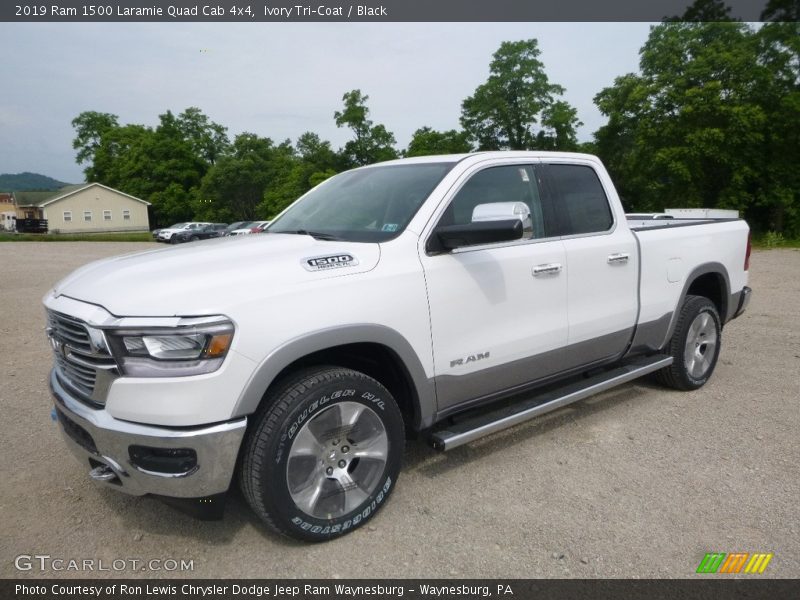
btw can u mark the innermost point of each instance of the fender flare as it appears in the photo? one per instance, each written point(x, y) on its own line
point(277, 360)
point(704, 269)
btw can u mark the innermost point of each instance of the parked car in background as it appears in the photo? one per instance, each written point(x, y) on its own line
point(235, 226)
point(263, 228)
point(155, 233)
point(165, 235)
point(201, 233)
point(251, 227)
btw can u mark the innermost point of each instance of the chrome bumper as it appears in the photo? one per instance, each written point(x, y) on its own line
point(99, 440)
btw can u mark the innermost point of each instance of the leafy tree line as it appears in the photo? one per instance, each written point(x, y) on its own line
point(189, 168)
point(712, 119)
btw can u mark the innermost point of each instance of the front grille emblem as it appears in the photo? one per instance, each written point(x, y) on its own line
point(57, 345)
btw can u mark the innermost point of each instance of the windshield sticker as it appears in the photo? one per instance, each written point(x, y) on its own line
point(331, 261)
point(524, 174)
point(389, 227)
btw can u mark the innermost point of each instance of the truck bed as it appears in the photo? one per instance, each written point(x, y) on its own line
point(640, 222)
point(673, 252)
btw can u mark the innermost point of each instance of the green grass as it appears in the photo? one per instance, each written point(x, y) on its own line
point(131, 236)
point(770, 240)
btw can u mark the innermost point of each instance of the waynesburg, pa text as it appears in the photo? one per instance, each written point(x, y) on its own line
point(273, 590)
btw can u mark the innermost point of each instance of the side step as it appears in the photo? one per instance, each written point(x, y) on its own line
point(473, 428)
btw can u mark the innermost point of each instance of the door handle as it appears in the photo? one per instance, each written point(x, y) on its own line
point(546, 269)
point(618, 258)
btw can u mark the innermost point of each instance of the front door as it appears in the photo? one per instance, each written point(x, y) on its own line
point(498, 311)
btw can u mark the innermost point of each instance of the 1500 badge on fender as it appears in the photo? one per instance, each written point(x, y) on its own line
point(334, 261)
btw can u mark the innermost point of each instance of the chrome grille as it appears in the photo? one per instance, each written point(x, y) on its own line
point(82, 363)
point(70, 331)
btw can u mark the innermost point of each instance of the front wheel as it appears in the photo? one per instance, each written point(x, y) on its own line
point(323, 453)
point(694, 346)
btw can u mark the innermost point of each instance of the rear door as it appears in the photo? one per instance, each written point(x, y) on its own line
point(602, 263)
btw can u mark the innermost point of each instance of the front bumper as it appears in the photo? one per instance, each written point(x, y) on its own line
point(98, 439)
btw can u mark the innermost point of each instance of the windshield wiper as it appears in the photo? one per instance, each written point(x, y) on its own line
point(317, 235)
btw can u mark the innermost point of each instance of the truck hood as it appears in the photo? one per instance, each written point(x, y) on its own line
point(209, 277)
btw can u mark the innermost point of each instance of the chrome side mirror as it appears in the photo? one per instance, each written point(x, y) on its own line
point(503, 211)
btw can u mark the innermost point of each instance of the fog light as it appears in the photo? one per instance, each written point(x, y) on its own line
point(173, 461)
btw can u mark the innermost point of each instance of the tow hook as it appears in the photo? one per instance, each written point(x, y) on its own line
point(102, 473)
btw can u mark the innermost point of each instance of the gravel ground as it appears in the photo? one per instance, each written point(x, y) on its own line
point(637, 482)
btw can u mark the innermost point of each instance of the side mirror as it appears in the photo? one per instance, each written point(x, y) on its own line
point(491, 223)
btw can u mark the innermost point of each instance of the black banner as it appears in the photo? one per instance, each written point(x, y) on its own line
point(361, 10)
point(419, 589)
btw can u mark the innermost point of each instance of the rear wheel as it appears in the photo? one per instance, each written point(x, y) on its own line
point(323, 454)
point(694, 346)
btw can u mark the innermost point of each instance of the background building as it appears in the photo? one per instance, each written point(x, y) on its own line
point(84, 208)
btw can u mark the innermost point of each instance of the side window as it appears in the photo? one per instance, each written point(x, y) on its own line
point(515, 183)
point(581, 203)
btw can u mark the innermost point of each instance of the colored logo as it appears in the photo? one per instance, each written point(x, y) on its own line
point(735, 562)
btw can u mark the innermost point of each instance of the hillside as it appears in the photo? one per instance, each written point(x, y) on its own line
point(22, 182)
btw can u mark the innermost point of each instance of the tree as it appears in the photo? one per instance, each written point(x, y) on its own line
point(779, 52)
point(121, 162)
point(209, 140)
point(427, 141)
point(711, 120)
point(234, 187)
point(311, 163)
point(503, 112)
point(316, 154)
point(372, 143)
point(559, 122)
point(163, 165)
point(705, 11)
point(787, 11)
point(90, 126)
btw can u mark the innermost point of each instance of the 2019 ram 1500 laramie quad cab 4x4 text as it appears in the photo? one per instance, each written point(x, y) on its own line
point(408, 295)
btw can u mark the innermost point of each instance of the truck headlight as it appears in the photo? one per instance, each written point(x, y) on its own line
point(171, 352)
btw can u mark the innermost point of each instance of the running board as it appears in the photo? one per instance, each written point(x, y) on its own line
point(473, 428)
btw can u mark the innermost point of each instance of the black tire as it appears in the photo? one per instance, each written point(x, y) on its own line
point(693, 366)
point(308, 403)
point(194, 238)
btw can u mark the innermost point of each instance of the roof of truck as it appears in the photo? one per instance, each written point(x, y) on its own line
point(440, 158)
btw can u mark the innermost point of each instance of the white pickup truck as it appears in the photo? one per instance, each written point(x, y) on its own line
point(451, 296)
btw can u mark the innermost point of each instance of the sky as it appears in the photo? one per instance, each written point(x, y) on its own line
point(276, 80)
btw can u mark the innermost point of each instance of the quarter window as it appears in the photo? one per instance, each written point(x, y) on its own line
point(581, 202)
point(67, 216)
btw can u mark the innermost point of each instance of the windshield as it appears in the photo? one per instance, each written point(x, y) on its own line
point(365, 205)
point(177, 226)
